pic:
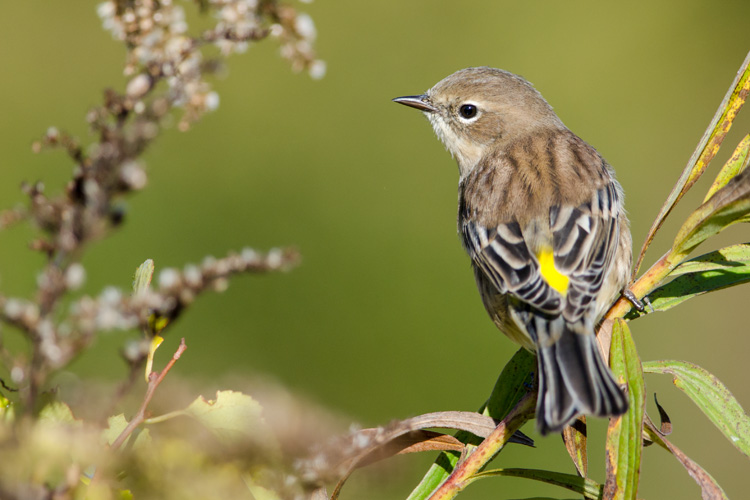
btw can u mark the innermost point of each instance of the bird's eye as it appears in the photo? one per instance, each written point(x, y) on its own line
point(468, 111)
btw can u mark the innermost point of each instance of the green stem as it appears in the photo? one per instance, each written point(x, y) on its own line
point(645, 284)
point(165, 417)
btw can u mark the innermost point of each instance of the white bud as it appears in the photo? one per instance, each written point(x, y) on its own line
point(110, 295)
point(229, 14)
point(276, 30)
point(43, 280)
point(133, 350)
point(30, 314)
point(317, 69)
point(107, 318)
point(16, 374)
point(220, 285)
point(147, 24)
point(186, 296)
point(169, 278)
point(105, 9)
point(49, 348)
point(53, 134)
point(305, 27)
point(222, 266)
point(138, 86)
point(193, 275)
point(133, 175)
point(212, 101)
point(361, 440)
point(13, 309)
point(178, 26)
point(75, 275)
point(274, 258)
point(249, 255)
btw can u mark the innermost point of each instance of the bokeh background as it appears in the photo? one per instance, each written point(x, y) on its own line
point(382, 320)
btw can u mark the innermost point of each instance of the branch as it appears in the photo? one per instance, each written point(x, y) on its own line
point(153, 382)
point(463, 473)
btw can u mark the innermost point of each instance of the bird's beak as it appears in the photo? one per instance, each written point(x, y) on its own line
point(419, 102)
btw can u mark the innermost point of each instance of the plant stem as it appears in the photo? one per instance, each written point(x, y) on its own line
point(154, 380)
point(705, 152)
point(645, 284)
point(481, 456)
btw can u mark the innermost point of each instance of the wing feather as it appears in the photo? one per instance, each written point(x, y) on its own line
point(584, 242)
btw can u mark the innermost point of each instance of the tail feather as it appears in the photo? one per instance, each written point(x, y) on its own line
point(574, 380)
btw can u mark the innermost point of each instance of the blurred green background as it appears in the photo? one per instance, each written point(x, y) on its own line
point(382, 320)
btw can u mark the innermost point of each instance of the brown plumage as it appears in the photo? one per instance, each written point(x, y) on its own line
point(541, 216)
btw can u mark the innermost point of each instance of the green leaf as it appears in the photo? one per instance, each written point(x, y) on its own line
point(711, 396)
point(726, 207)
point(58, 412)
point(143, 275)
point(726, 259)
point(705, 151)
point(575, 439)
point(583, 486)
point(512, 384)
point(736, 164)
point(7, 410)
point(235, 419)
point(723, 268)
point(624, 443)
point(116, 424)
point(259, 492)
point(125, 495)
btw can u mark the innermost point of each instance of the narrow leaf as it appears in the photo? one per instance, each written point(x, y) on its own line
point(156, 341)
point(512, 384)
point(410, 436)
point(706, 150)
point(586, 487)
point(726, 259)
point(143, 275)
point(736, 164)
point(419, 441)
point(710, 489)
point(717, 270)
point(711, 396)
point(624, 443)
point(724, 208)
point(468, 421)
point(411, 442)
point(575, 438)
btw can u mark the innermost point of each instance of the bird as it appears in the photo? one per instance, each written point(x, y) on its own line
point(541, 215)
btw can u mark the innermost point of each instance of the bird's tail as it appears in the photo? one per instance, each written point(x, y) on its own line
point(574, 380)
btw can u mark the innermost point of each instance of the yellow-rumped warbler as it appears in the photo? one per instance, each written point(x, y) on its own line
point(541, 215)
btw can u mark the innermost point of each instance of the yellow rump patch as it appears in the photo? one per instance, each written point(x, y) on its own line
point(551, 275)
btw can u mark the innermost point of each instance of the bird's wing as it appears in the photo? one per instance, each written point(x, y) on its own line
point(585, 243)
point(562, 278)
point(503, 256)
